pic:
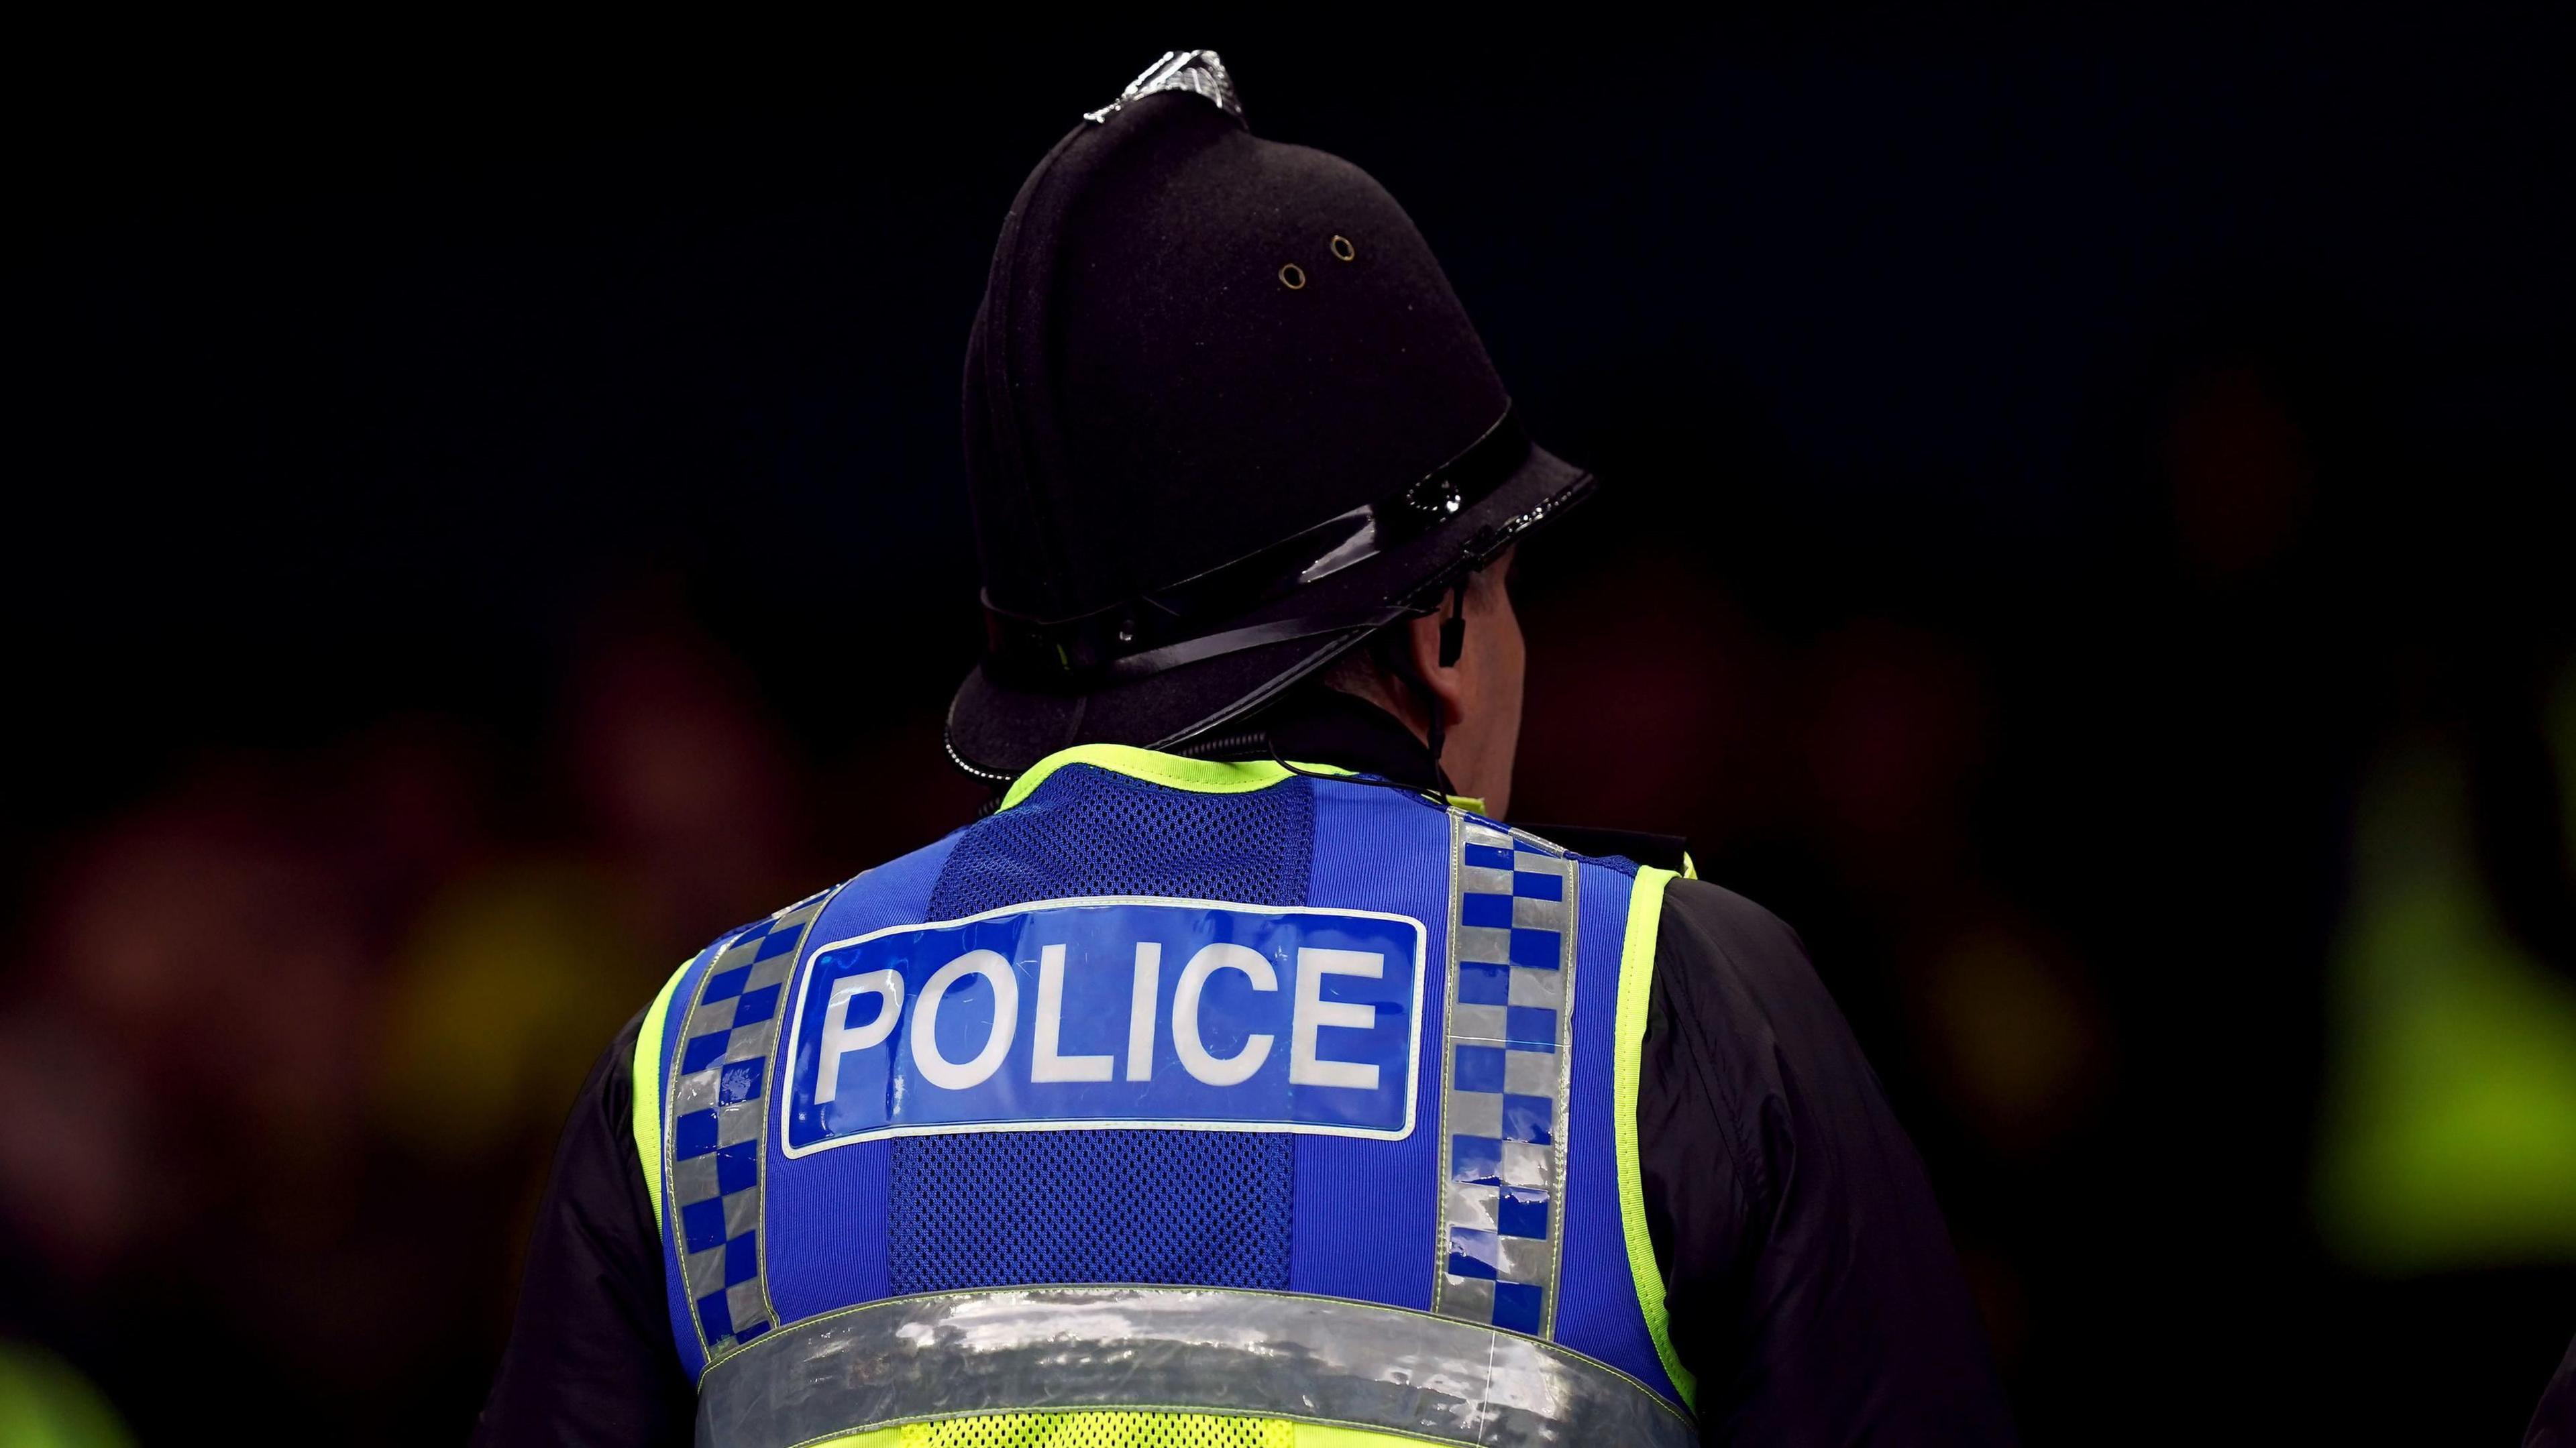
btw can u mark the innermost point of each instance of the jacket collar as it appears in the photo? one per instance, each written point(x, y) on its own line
point(1327, 726)
point(1319, 731)
point(1326, 729)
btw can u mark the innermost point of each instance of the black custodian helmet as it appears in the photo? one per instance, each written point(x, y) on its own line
point(1224, 417)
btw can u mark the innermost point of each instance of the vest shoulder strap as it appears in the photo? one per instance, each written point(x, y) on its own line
point(1636, 990)
point(645, 1072)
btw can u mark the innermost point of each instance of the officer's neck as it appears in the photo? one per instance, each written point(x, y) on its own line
point(1315, 724)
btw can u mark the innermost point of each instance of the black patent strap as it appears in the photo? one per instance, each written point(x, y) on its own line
point(1205, 1350)
point(1235, 641)
point(1147, 634)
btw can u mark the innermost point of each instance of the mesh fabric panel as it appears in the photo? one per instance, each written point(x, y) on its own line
point(1192, 1208)
point(1102, 1430)
point(1019, 1208)
point(1087, 831)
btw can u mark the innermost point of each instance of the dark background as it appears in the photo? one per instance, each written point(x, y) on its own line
point(2087, 540)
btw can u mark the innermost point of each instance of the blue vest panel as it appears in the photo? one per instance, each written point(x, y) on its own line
point(1317, 1036)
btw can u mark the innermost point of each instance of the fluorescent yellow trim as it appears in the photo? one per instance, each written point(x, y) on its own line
point(647, 1070)
point(1468, 802)
point(1636, 984)
point(1204, 776)
point(1690, 870)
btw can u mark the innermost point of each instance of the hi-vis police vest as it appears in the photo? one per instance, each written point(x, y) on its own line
point(1175, 1103)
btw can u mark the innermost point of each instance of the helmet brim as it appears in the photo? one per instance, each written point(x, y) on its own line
point(997, 730)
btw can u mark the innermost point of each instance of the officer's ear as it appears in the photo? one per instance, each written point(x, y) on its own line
point(1446, 685)
point(1444, 666)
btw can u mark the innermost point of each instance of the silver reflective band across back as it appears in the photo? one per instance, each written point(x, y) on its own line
point(1177, 1349)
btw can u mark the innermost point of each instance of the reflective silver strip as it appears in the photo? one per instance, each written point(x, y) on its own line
point(715, 1126)
point(1182, 1349)
point(1507, 1050)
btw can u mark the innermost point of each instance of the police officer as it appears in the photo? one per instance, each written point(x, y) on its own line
point(1240, 1079)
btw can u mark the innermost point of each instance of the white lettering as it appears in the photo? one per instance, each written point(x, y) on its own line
point(840, 1040)
point(1185, 1013)
point(1313, 1012)
point(938, 1070)
point(1140, 1010)
point(1044, 1063)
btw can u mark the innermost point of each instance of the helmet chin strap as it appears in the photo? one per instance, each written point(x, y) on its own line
point(1431, 734)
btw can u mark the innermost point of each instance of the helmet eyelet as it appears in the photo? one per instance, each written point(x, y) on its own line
point(1293, 277)
point(1343, 250)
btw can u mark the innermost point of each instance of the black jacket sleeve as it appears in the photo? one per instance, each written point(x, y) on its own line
point(1812, 1286)
point(590, 1359)
point(2553, 1423)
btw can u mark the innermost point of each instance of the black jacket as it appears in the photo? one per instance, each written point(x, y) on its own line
point(1813, 1289)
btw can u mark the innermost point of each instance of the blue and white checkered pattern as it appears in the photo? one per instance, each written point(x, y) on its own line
point(1507, 1038)
point(719, 1125)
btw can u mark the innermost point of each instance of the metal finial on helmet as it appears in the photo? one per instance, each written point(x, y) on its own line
point(1197, 71)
